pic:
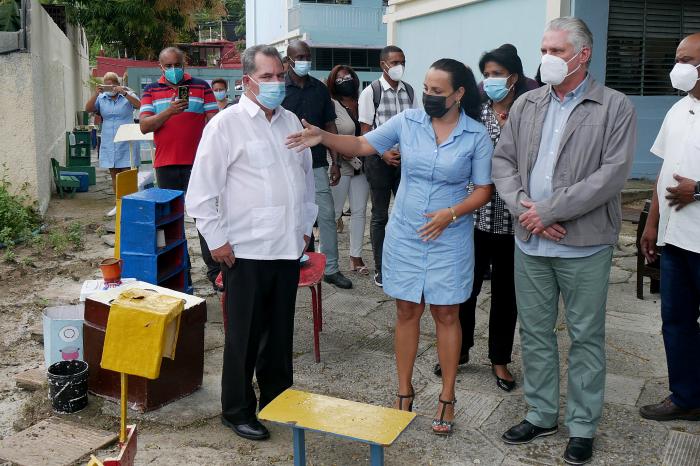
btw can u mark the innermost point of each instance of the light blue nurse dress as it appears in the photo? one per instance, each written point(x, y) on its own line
point(432, 178)
point(115, 112)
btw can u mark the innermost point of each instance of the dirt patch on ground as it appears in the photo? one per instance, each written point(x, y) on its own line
point(45, 271)
point(51, 270)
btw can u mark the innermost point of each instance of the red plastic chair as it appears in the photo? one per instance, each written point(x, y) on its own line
point(311, 276)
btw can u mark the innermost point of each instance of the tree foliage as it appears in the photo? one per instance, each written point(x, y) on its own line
point(141, 28)
point(236, 12)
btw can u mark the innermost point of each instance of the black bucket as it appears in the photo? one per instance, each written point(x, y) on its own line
point(68, 386)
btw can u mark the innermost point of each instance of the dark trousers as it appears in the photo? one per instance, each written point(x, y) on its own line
point(260, 299)
point(497, 250)
point(680, 310)
point(383, 180)
point(178, 177)
point(174, 176)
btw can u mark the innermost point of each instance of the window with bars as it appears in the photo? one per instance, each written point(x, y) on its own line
point(358, 59)
point(642, 40)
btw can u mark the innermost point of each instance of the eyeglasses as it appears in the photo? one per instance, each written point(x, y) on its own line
point(172, 65)
point(342, 80)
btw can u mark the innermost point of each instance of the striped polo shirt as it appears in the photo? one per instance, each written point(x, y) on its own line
point(177, 139)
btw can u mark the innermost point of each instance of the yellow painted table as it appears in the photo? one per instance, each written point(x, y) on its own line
point(375, 425)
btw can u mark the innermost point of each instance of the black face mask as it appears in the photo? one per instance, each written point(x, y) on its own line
point(434, 105)
point(346, 88)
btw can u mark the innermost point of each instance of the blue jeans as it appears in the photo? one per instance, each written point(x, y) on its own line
point(680, 310)
point(326, 220)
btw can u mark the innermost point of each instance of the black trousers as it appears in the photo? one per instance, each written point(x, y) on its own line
point(260, 300)
point(497, 250)
point(174, 176)
point(383, 180)
point(178, 177)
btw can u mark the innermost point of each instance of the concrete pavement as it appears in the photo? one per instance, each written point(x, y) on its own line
point(357, 363)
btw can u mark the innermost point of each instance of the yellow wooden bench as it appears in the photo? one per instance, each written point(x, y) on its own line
point(375, 425)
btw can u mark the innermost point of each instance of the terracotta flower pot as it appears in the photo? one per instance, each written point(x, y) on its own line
point(111, 270)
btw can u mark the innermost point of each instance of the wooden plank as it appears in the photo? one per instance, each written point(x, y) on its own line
point(32, 379)
point(357, 421)
point(53, 442)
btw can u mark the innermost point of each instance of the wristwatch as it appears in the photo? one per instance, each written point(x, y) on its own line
point(696, 196)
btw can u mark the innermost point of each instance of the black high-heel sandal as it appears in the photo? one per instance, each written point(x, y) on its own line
point(503, 384)
point(401, 397)
point(463, 359)
point(440, 426)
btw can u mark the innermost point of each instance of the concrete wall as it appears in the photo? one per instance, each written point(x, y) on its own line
point(650, 110)
point(467, 28)
point(265, 21)
point(466, 31)
point(326, 25)
point(322, 25)
point(42, 89)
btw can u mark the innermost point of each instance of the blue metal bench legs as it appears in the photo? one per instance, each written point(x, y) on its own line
point(376, 451)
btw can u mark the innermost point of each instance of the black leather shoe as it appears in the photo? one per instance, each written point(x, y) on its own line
point(579, 450)
point(463, 359)
point(525, 432)
point(252, 430)
point(503, 384)
point(667, 410)
point(339, 280)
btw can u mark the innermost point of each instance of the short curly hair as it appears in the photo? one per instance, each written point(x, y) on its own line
point(112, 76)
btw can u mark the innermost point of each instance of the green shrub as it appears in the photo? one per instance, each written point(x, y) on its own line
point(9, 256)
point(18, 218)
point(58, 241)
point(75, 235)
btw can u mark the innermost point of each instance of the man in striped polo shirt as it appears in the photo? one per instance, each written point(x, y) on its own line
point(177, 127)
point(176, 124)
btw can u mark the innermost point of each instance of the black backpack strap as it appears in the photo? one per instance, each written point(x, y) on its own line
point(409, 91)
point(376, 98)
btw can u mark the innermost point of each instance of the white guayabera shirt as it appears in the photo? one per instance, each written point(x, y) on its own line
point(678, 144)
point(266, 192)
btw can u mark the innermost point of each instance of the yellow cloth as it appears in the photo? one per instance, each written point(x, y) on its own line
point(142, 328)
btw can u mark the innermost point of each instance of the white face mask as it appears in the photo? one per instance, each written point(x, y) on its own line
point(554, 70)
point(684, 76)
point(395, 72)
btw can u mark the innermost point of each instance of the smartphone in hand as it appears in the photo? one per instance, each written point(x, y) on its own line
point(183, 93)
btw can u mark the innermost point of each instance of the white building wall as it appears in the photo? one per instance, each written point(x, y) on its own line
point(266, 21)
point(42, 89)
point(430, 30)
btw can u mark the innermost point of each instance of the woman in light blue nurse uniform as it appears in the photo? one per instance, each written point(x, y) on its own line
point(116, 107)
point(428, 250)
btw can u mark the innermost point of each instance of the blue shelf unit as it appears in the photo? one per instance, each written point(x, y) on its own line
point(142, 215)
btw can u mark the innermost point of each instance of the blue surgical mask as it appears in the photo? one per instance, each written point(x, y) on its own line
point(220, 95)
point(496, 88)
point(174, 75)
point(109, 93)
point(301, 68)
point(270, 94)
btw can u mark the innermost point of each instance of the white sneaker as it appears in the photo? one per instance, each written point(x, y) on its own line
point(112, 212)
